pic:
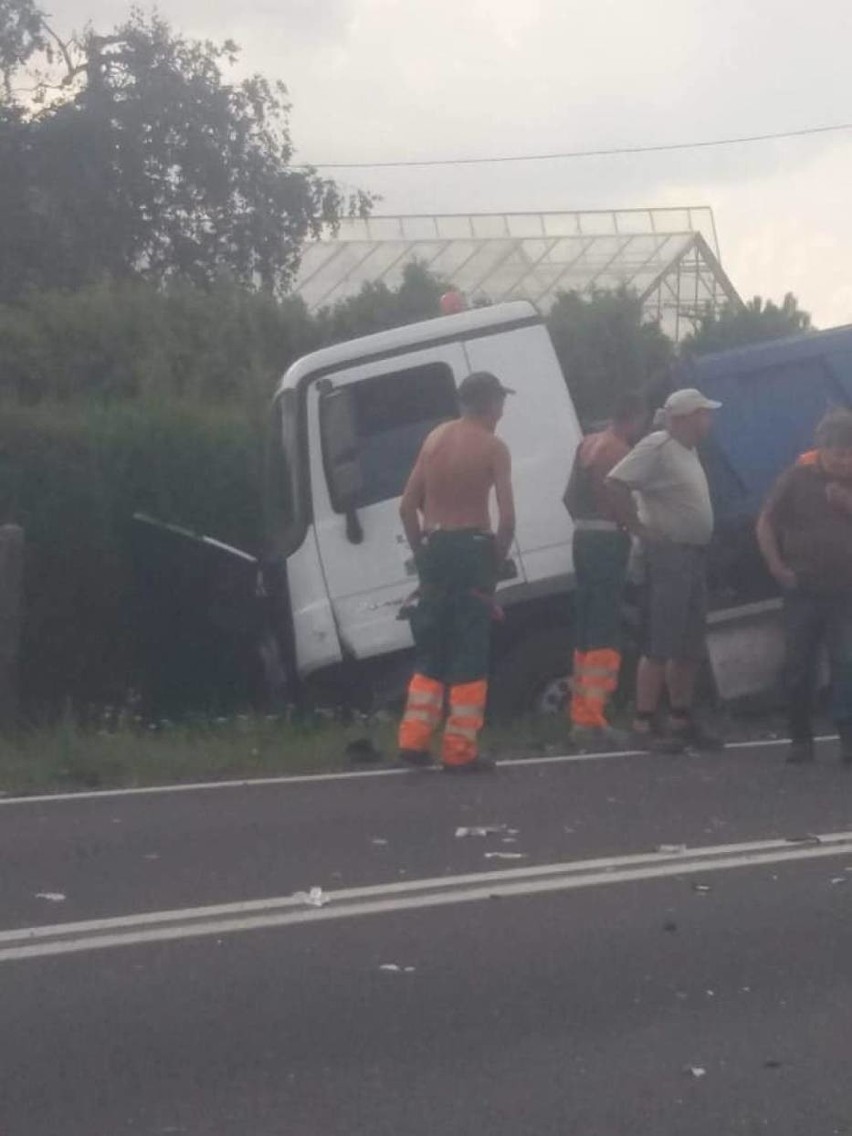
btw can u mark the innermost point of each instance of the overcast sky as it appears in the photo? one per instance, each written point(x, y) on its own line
point(386, 79)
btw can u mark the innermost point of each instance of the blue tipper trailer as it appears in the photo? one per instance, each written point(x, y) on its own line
point(773, 394)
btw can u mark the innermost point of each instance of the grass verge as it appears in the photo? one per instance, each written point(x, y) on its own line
point(67, 757)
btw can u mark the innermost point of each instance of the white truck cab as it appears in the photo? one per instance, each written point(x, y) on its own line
point(348, 423)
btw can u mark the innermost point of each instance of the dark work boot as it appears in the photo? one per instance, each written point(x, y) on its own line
point(479, 764)
point(687, 733)
point(414, 759)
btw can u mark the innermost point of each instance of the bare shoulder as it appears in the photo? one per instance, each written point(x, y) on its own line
point(434, 436)
point(499, 449)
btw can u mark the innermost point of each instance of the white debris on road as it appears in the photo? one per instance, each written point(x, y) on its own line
point(316, 897)
point(505, 855)
point(395, 968)
point(51, 896)
point(671, 849)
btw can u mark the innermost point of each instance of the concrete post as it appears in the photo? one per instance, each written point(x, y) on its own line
point(11, 611)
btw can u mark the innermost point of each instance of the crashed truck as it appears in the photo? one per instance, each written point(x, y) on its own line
point(318, 617)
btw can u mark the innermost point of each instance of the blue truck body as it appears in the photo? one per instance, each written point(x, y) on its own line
point(772, 394)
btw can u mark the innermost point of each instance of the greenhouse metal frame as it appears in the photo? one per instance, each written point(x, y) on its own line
point(669, 257)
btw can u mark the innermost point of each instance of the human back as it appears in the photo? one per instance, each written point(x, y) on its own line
point(460, 461)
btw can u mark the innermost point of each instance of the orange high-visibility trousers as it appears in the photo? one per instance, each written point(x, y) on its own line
point(466, 719)
point(595, 679)
point(423, 713)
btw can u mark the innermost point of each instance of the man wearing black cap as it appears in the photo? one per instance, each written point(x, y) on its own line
point(445, 514)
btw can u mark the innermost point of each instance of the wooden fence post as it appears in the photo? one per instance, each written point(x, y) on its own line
point(11, 609)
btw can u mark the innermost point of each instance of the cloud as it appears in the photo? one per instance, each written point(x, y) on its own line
point(383, 79)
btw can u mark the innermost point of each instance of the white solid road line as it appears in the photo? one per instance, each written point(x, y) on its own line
point(200, 922)
point(354, 775)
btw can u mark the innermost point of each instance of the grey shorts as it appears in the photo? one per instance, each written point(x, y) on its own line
point(676, 613)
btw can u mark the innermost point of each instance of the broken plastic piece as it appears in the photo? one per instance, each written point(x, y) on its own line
point(839, 880)
point(50, 896)
point(316, 897)
point(671, 849)
point(379, 842)
point(483, 830)
point(395, 968)
point(701, 889)
point(695, 1071)
point(505, 855)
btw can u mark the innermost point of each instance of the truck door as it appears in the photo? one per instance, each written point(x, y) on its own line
point(392, 405)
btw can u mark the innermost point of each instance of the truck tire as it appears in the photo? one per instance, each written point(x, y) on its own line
point(531, 677)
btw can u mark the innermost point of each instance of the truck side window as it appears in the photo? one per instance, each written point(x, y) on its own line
point(394, 413)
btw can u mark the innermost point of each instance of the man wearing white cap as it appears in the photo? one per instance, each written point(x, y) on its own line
point(659, 492)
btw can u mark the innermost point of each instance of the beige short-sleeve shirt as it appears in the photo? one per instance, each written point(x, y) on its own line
point(671, 488)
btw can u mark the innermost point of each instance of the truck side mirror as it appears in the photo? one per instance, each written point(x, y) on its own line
point(340, 449)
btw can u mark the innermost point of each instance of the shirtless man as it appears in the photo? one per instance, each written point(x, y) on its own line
point(445, 514)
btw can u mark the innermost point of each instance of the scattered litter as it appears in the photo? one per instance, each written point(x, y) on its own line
point(51, 896)
point(670, 926)
point(316, 897)
point(701, 889)
point(671, 849)
point(484, 830)
point(771, 1063)
point(395, 968)
point(808, 838)
point(840, 880)
point(505, 855)
point(695, 1071)
point(379, 842)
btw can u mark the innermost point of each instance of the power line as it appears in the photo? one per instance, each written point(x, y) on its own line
point(570, 154)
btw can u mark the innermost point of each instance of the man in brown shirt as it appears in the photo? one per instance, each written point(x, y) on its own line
point(805, 535)
point(446, 517)
point(601, 549)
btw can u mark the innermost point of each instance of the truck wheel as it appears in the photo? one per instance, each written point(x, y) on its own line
point(532, 676)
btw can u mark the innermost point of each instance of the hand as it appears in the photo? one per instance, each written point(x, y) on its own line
point(785, 577)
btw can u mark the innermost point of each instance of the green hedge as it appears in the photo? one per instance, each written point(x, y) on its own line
point(73, 475)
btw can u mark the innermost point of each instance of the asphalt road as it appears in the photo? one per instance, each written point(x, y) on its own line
point(713, 1001)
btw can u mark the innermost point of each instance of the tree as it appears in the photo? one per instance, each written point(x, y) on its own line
point(606, 348)
point(737, 326)
point(144, 161)
point(21, 35)
point(377, 307)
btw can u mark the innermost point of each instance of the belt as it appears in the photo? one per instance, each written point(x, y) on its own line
point(596, 526)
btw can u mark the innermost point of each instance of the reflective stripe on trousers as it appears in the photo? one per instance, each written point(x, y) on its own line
point(467, 717)
point(423, 713)
point(595, 679)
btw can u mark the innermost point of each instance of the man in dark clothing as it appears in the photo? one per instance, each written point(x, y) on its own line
point(601, 551)
point(805, 535)
point(446, 517)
